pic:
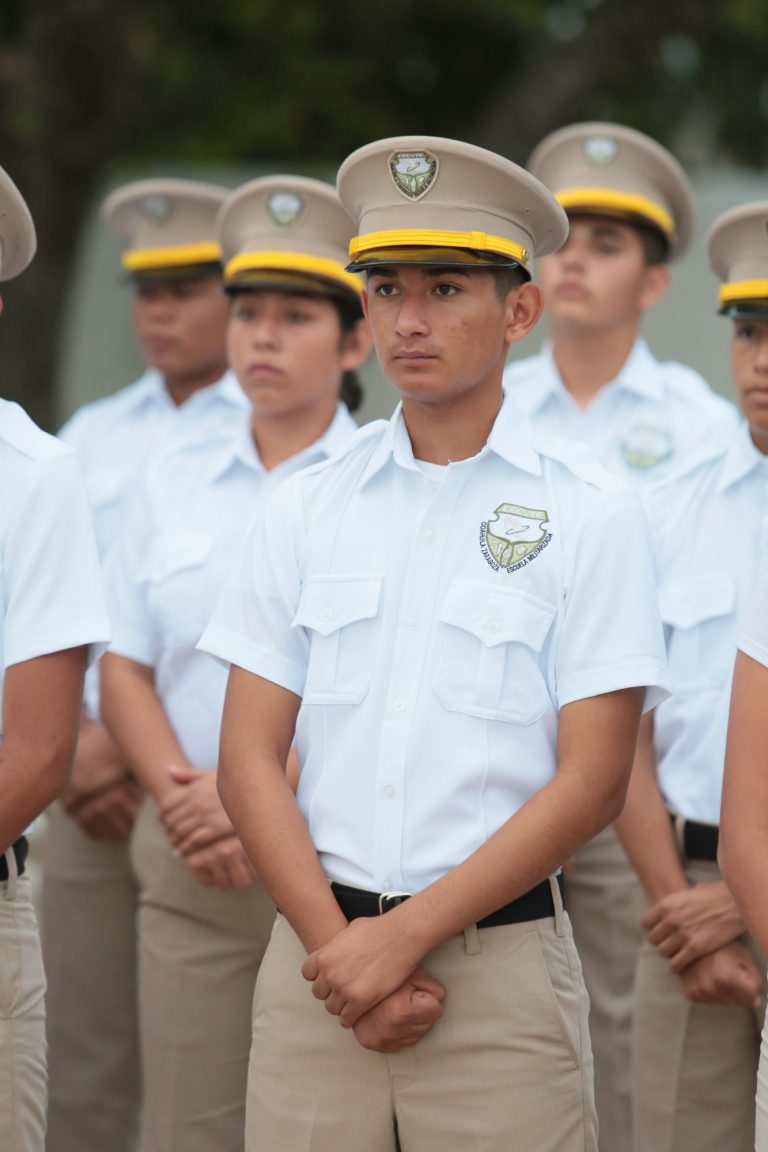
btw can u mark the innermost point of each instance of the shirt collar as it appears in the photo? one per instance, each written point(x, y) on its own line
point(741, 458)
point(239, 447)
point(511, 437)
point(639, 373)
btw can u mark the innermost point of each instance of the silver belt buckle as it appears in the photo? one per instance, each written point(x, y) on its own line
point(390, 900)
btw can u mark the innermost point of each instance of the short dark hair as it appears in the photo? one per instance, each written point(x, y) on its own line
point(654, 243)
point(507, 278)
point(350, 312)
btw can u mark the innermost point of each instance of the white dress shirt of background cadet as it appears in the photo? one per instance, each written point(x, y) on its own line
point(422, 611)
point(296, 334)
point(700, 981)
point(630, 208)
point(172, 264)
point(51, 611)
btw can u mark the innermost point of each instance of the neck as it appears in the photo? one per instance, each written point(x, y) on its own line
point(588, 361)
point(759, 438)
point(181, 386)
point(278, 438)
point(455, 429)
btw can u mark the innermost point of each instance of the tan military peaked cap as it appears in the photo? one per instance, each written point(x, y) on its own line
point(425, 199)
point(737, 245)
point(18, 242)
point(610, 170)
point(168, 225)
point(286, 232)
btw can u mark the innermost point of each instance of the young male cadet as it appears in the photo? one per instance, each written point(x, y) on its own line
point(180, 313)
point(51, 609)
point(700, 980)
point(630, 209)
point(421, 612)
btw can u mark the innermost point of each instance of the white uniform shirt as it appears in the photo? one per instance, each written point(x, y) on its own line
point(183, 533)
point(434, 630)
point(115, 436)
point(641, 426)
point(754, 634)
point(711, 525)
point(50, 584)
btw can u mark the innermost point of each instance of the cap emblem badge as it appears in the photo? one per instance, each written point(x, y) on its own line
point(156, 207)
point(514, 536)
point(413, 173)
point(600, 151)
point(285, 207)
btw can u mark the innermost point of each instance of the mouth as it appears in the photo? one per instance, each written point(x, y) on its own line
point(569, 290)
point(262, 371)
point(158, 344)
point(406, 356)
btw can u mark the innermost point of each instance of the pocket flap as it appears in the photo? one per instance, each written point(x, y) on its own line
point(330, 602)
point(684, 603)
point(170, 554)
point(497, 615)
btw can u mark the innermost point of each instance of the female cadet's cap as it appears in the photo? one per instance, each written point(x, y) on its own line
point(17, 230)
point(609, 170)
point(169, 226)
point(737, 245)
point(288, 232)
point(426, 200)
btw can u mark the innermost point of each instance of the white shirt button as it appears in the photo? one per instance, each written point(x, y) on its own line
point(429, 535)
point(494, 626)
point(412, 622)
point(386, 884)
point(389, 791)
point(400, 705)
point(326, 614)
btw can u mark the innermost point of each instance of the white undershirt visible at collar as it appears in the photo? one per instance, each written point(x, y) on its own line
point(435, 473)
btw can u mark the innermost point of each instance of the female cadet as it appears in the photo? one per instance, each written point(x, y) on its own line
point(700, 984)
point(744, 817)
point(295, 337)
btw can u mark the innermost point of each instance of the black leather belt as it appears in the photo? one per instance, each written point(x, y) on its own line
point(20, 849)
point(534, 905)
point(699, 840)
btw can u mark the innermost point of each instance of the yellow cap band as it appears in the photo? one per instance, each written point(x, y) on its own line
point(146, 259)
point(744, 290)
point(326, 269)
point(415, 238)
point(607, 199)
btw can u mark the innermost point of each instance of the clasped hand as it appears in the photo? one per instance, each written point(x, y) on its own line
point(687, 925)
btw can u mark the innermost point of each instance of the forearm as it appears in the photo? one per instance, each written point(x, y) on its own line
point(644, 827)
point(136, 720)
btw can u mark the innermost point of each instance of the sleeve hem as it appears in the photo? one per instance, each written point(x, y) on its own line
point(230, 649)
point(650, 674)
point(92, 632)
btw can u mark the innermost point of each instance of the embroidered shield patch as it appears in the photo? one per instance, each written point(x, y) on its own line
point(156, 208)
point(413, 172)
point(646, 446)
point(284, 207)
point(514, 535)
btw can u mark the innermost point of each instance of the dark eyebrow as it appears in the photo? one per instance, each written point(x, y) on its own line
point(389, 271)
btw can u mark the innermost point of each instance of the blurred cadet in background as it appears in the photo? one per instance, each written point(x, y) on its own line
point(630, 209)
point(51, 609)
point(296, 336)
point(173, 262)
point(701, 980)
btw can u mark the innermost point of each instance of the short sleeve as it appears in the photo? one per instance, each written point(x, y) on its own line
point(50, 569)
point(132, 630)
point(611, 635)
point(753, 638)
point(253, 623)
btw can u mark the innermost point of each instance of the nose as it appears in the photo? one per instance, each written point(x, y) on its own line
point(263, 331)
point(411, 316)
point(761, 356)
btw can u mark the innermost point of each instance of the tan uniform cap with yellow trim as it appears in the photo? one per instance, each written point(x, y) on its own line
point(168, 225)
point(424, 199)
point(17, 230)
point(610, 170)
point(737, 245)
point(286, 232)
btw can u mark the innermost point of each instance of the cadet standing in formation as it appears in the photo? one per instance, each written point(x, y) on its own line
point(51, 610)
point(630, 210)
point(173, 261)
point(296, 334)
point(421, 613)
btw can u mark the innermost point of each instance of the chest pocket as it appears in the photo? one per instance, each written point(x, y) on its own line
point(174, 575)
point(700, 629)
point(487, 659)
point(342, 617)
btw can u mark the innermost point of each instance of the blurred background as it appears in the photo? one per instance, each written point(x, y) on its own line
point(97, 92)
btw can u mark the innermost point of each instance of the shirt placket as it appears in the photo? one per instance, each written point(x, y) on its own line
point(426, 551)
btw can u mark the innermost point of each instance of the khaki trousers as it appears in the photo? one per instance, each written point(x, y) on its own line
point(199, 954)
point(606, 903)
point(508, 1068)
point(695, 1064)
point(89, 946)
point(22, 1019)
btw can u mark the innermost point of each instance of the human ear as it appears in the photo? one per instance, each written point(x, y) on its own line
point(656, 281)
point(524, 306)
point(355, 346)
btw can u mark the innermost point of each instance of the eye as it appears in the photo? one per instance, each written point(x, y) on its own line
point(746, 332)
point(385, 289)
point(443, 289)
